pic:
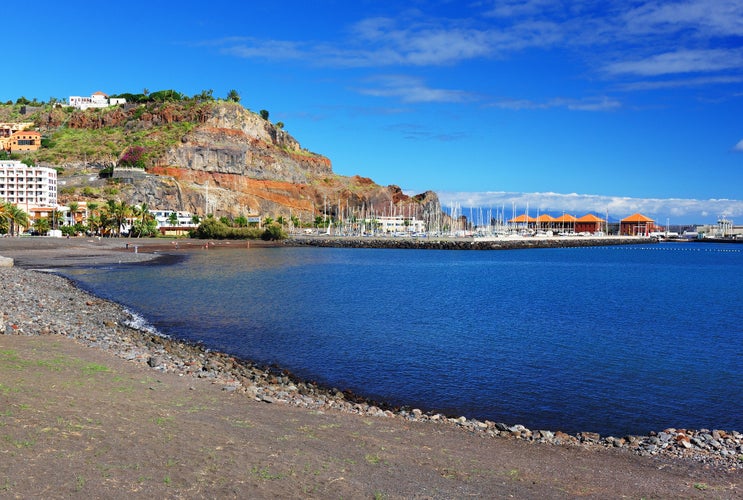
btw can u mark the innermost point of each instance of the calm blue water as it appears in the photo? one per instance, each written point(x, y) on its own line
point(614, 340)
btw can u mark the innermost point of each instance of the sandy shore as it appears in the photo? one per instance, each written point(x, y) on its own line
point(43, 252)
point(304, 441)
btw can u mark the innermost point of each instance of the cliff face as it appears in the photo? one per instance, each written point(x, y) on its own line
point(235, 162)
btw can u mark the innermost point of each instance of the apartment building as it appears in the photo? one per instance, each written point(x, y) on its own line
point(27, 187)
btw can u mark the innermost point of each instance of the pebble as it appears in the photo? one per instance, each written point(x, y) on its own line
point(39, 303)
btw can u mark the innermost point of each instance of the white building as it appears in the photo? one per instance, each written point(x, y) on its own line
point(27, 187)
point(397, 224)
point(184, 219)
point(96, 100)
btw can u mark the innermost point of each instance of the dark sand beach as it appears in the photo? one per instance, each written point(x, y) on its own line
point(90, 407)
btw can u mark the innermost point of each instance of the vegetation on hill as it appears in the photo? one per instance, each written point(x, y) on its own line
point(153, 122)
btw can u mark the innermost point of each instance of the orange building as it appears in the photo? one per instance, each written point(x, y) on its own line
point(589, 223)
point(523, 219)
point(636, 225)
point(564, 223)
point(545, 221)
point(24, 140)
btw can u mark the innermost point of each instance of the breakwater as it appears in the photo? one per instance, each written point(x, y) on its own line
point(464, 243)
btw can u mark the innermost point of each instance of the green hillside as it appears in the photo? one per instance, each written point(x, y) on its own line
point(153, 122)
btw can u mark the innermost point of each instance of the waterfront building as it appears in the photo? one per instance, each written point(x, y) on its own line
point(523, 220)
point(564, 224)
point(545, 222)
point(173, 221)
point(27, 187)
point(397, 224)
point(96, 100)
point(589, 223)
point(53, 214)
point(637, 225)
point(724, 229)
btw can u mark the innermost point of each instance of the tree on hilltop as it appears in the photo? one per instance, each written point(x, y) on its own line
point(233, 96)
point(205, 95)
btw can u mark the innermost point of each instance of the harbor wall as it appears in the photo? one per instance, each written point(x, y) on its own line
point(464, 243)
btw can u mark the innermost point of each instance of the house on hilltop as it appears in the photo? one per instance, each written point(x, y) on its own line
point(96, 100)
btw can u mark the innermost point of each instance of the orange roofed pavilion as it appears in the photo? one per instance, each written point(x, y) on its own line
point(589, 223)
point(636, 225)
point(522, 219)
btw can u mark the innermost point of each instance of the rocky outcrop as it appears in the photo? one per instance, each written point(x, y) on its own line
point(235, 162)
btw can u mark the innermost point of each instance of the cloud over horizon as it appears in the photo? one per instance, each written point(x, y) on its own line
point(677, 210)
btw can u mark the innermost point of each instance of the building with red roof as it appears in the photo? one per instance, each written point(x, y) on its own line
point(589, 223)
point(636, 225)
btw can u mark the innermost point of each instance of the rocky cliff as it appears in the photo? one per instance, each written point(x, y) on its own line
point(233, 161)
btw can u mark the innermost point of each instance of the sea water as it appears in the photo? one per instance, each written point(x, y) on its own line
point(617, 340)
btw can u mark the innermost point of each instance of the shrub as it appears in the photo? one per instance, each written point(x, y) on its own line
point(133, 157)
point(273, 232)
point(211, 228)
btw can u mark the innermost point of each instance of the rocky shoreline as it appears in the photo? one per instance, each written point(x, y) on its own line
point(41, 303)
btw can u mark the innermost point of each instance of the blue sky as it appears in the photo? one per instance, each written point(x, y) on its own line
point(566, 105)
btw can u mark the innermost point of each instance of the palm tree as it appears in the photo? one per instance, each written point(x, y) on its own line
point(267, 221)
point(73, 206)
point(118, 213)
point(173, 221)
point(142, 213)
point(42, 226)
point(4, 217)
point(57, 216)
point(143, 224)
point(94, 219)
point(17, 219)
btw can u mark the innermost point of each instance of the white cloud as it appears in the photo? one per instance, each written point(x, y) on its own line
point(654, 39)
point(586, 104)
point(410, 89)
point(701, 17)
point(681, 83)
point(739, 146)
point(681, 61)
point(678, 210)
point(513, 8)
